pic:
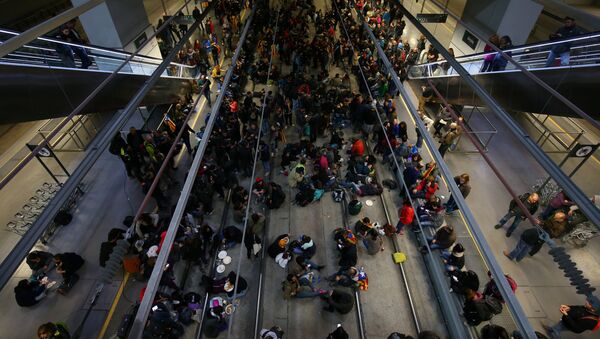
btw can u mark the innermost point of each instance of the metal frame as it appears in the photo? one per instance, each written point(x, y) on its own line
point(513, 305)
point(588, 208)
point(477, 134)
point(14, 259)
point(546, 133)
point(518, 66)
point(154, 281)
point(50, 24)
point(46, 26)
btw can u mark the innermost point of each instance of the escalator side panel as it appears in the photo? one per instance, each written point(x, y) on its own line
point(33, 93)
point(516, 92)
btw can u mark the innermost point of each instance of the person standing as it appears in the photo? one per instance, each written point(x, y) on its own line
point(576, 319)
point(449, 138)
point(563, 50)
point(462, 181)
point(530, 243)
point(203, 81)
point(530, 200)
point(69, 35)
point(406, 215)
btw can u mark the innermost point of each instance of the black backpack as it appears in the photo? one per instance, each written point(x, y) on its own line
point(389, 183)
point(63, 218)
point(305, 197)
point(460, 281)
point(484, 309)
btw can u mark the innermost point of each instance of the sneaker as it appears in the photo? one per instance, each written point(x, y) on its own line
point(497, 226)
point(508, 234)
point(506, 254)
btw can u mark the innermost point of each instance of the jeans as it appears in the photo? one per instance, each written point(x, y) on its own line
point(82, 54)
point(207, 96)
point(400, 227)
point(556, 329)
point(431, 245)
point(419, 142)
point(520, 251)
point(451, 205)
point(564, 58)
point(487, 66)
point(516, 221)
point(267, 166)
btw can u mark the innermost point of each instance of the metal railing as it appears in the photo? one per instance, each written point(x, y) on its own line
point(547, 134)
point(483, 136)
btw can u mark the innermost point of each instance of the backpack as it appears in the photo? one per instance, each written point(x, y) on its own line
point(491, 288)
point(389, 183)
point(318, 194)
point(354, 207)
point(460, 281)
point(63, 218)
point(484, 309)
point(305, 197)
point(338, 195)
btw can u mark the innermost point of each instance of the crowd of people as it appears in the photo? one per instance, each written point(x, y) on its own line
point(315, 105)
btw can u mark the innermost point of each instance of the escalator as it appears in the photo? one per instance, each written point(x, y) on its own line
point(37, 84)
point(578, 81)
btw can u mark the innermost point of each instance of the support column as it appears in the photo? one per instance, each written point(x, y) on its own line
point(121, 25)
point(515, 18)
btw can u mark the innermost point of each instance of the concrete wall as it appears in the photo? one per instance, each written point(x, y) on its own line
point(115, 23)
point(519, 19)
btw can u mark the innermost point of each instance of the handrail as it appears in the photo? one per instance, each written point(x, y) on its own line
point(86, 101)
point(439, 76)
point(525, 47)
point(154, 281)
point(589, 207)
point(137, 58)
point(41, 29)
point(92, 47)
point(14, 259)
point(478, 57)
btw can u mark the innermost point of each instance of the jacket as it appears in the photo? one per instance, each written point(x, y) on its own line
point(449, 138)
point(407, 215)
point(45, 259)
point(465, 188)
point(531, 207)
point(373, 245)
point(532, 238)
point(445, 238)
point(562, 33)
point(457, 260)
point(358, 148)
point(429, 189)
point(559, 201)
point(343, 302)
point(580, 319)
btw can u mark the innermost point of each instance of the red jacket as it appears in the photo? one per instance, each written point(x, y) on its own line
point(358, 148)
point(407, 215)
point(429, 189)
